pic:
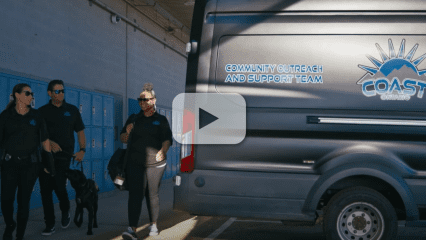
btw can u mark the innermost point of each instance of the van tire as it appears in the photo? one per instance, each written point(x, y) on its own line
point(373, 213)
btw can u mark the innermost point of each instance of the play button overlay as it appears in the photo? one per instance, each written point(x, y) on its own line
point(205, 118)
point(209, 118)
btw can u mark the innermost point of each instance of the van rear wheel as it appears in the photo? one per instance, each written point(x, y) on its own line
point(360, 213)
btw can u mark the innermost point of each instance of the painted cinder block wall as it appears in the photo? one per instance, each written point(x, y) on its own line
point(75, 41)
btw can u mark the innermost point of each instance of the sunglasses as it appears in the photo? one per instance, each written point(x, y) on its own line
point(59, 91)
point(145, 99)
point(28, 93)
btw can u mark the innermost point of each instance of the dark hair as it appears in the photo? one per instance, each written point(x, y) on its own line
point(16, 89)
point(53, 83)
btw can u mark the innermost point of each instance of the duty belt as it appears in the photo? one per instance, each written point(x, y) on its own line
point(8, 157)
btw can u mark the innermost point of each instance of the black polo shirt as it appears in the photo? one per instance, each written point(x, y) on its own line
point(61, 123)
point(148, 136)
point(20, 134)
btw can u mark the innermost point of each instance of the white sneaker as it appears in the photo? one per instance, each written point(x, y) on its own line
point(153, 230)
point(129, 234)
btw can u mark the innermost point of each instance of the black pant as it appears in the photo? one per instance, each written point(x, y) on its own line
point(143, 181)
point(21, 174)
point(57, 183)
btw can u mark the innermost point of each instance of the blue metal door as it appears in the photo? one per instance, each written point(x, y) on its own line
point(108, 143)
point(134, 106)
point(85, 105)
point(72, 96)
point(97, 173)
point(35, 201)
point(96, 143)
point(87, 169)
point(4, 94)
point(13, 82)
point(108, 114)
point(97, 110)
point(173, 158)
point(76, 145)
point(108, 183)
point(70, 190)
point(88, 133)
point(40, 93)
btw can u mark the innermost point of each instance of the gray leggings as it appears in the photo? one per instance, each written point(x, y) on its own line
point(143, 181)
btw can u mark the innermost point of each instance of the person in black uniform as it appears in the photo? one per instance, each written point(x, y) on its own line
point(149, 143)
point(22, 131)
point(62, 119)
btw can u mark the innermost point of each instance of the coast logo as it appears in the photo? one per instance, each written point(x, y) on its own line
point(396, 77)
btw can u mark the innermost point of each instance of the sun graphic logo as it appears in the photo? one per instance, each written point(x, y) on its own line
point(395, 77)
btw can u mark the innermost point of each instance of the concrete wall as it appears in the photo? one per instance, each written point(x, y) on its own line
point(75, 41)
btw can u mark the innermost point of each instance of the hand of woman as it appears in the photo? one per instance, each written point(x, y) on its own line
point(129, 128)
point(55, 147)
point(160, 156)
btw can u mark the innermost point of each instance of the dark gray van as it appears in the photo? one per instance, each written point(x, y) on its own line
point(336, 114)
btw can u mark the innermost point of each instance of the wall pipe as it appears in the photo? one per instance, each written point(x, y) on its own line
point(140, 28)
point(152, 3)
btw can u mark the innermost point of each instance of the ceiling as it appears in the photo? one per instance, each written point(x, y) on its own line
point(180, 9)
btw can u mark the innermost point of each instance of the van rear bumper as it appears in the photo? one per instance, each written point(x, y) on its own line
point(244, 194)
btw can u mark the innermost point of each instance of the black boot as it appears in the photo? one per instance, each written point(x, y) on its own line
point(7, 235)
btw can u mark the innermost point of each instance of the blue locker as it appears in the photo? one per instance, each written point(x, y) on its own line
point(108, 183)
point(97, 111)
point(72, 96)
point(35, 201)
point(96, 143)
point(4, 94)
point(178, 156)
point(169, 118)
point(40, 93)
point(88, 133)
point(108, 143)
point(108, 114)
point(173, 157)
point(70, 190)
point(85, 105)
point(15, 203)
point(76, 145)
point(54, 197)
point(133, 106)
point(97, 173)
point(87, 168)
point(14, 81)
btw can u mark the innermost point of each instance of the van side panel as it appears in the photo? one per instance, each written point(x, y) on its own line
point(278, 196)
point(355, 59)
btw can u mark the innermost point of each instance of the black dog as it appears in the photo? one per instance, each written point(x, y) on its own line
point(86, 196)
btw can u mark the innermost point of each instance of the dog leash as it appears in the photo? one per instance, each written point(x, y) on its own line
point(73, 158)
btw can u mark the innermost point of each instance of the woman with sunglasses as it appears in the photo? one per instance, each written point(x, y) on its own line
point(148, 145)
point(21, 131)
